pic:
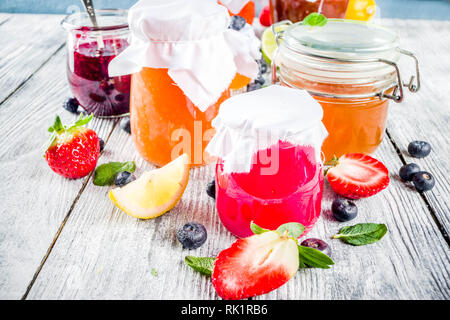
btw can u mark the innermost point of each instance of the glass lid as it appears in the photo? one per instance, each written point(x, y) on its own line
point(340, 37)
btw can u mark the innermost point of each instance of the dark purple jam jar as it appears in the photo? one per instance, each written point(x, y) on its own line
point(89, 51)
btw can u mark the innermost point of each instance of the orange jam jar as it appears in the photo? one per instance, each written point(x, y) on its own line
point(351, 69)
point(182, 60)
point(164, 122)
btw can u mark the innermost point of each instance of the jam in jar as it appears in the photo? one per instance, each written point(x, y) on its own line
point(351, 69)
point(89, 51)
point(297, 10)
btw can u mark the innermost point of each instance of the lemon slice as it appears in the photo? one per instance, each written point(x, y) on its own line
point(360, 10)
point(154, 192)
point(268, 42)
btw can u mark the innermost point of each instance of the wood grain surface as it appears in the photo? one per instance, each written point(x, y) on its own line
point(63, 239)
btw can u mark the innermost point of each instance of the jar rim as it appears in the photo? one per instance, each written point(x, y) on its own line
point(69, 22)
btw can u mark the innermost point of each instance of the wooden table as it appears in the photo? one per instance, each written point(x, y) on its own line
point(62, 239)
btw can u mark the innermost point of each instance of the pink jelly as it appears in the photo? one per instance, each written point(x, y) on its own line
point(292, 194)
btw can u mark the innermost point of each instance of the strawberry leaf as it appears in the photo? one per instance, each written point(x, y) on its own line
point(257, 229)
point(313, 258)
point(57, 125)
point(204, 265)
point(293, 229)
point(81, 121)
point(362, 233)
point(106, 173)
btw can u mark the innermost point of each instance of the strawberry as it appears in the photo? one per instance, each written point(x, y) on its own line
point(358, 175)
point(264, 17)
point(72, 152)
point(255, 265)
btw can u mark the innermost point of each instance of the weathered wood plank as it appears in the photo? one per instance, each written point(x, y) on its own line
point(412, 261)
point(426, 114)
point(4, 17)
point(104, 254)
point(27, 42)
point(34, 200)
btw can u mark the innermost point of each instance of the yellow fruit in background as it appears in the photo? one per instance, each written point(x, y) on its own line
point(360, 10)
point(269, 43)
point(154, 192)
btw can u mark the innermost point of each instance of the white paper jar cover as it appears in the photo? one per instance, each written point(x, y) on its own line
point(258, 119)
point(191, 39)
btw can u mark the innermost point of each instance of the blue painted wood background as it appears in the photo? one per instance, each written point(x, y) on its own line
point(412, 9)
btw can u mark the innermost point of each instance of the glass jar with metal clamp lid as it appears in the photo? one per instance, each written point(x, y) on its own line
point(351, 69)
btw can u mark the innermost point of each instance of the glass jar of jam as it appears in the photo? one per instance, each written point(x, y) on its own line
point(164, 119)
point(351, 69)
point(270, 168)
point(297, 10)
point(89, 51)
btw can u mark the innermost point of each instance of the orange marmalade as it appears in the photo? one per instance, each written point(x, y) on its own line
point(164, 122)
point(351, 69)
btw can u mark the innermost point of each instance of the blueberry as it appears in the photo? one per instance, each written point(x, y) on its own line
point(124, 178)
point(344, 210)
point(192, 235)
point(125, 124)
point(102, 144)
point(211, 189)
point(237, 23)
point(260, 80)
point(317, 244)
point(71, 105)
point(262, 66)
point(423, 181)
point(253, 86)
point(419, 149)
point(408, 170)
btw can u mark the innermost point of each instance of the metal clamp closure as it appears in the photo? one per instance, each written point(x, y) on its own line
point(397, 94)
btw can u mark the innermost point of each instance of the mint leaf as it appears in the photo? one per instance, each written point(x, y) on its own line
point(294, 229)
point(204, 265)
point(315, 20)
point(106, 173)
point(313, 258)
point(154, 272)
point(257, 229)
point(362, 233)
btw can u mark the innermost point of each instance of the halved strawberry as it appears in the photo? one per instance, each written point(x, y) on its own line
point(72, 151)
point(255, 265)
point(358, 175)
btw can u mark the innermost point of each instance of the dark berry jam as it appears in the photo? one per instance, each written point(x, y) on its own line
point(87, 70)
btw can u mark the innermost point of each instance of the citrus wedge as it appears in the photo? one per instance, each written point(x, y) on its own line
point(268, 42)
point(362, 10)
point(154, 192)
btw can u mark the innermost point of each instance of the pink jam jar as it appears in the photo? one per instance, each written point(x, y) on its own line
point(89, 51)
point(269, 168)
point(292, 194)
